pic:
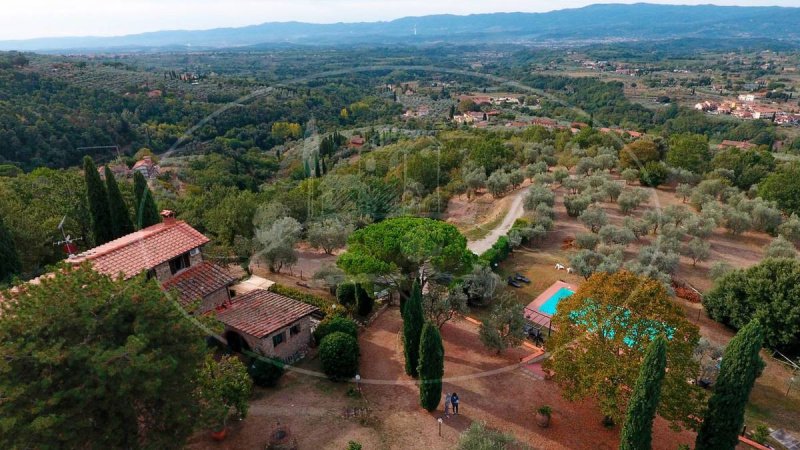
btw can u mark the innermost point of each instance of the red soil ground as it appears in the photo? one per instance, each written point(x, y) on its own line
point(493, 388)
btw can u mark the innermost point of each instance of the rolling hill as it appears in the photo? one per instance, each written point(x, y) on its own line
point(595, 23)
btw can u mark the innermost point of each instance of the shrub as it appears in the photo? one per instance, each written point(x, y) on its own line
point(587, 241)
point(364, 301)
point(264, 371)
point(654, 174)
point(339, 354)
point(353, 445)
point(346, 293)
point(301, 296)
point(335, 324)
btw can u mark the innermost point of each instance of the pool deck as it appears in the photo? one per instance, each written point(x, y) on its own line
point(544, 296)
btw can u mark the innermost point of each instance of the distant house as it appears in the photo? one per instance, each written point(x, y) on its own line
point(147, 167)
point(763, 112)
point(268, 323)
point(119, 170)
point(356, 142)
point(747, 98)
point(742, 145)
point(543, 122)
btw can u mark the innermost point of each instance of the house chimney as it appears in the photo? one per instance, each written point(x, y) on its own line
point(168, 216)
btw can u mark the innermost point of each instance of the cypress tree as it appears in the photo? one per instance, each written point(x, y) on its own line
point(97, 196)
point(9, 258)
point(413, 320)
point(146, 209)
point(324, 167)
point(638, 428)
point(317, 171)
point(431, 367)
point(120, 216)
point(741, 365)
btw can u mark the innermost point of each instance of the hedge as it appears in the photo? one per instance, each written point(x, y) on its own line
point(301, 296)
point(498, 253)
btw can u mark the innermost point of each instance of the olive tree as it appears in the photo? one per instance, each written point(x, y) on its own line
point(697, 249)
point(329, 234)
point(780, 248)
point(594, 218)
point(278, 241)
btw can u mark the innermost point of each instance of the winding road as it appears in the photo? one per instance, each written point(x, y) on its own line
point(514, 212)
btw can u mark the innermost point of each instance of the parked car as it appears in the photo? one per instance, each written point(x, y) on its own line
point(512, 282)
point(520, 277)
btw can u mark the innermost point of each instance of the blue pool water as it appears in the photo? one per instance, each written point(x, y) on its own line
point(549, 307)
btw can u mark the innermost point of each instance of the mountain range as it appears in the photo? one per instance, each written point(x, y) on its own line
point(594, 23)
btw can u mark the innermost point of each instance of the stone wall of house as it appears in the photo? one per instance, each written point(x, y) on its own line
point(195, 259)
point(290, 347)
point(214, 299)
point(162, 272)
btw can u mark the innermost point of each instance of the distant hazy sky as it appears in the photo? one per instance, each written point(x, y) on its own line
point(22, 19)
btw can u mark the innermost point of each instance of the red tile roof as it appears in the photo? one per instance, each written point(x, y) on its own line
point(743, 145)
point(142, 250)
point(198, 281)
point(260, 313)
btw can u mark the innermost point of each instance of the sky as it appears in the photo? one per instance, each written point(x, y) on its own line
point(24, 19)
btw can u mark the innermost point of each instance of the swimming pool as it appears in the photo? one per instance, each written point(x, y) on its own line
point(549, 306)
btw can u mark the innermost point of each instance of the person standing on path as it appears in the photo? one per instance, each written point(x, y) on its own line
point(447, 405)
point(454, 401)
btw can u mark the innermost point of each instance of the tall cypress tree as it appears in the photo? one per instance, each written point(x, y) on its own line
point(9, 258)
point(146, 209)
point(96, 193)
point(431, 366)
point(317, 171)
point(741, 365)
point(638, 428)
point(120, 216)
point(413, 319)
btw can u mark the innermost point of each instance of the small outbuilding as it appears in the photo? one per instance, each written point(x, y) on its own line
point(268, 323)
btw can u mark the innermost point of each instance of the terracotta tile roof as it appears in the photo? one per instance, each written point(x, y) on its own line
point(142, 250)
point(198, 281)
point(260, 313)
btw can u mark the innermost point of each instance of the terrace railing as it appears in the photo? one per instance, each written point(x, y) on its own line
point(538, 319)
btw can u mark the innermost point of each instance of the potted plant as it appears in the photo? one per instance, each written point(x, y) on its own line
point(543, 416)
point(224, 388)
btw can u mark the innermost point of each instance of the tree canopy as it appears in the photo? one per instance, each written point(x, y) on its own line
point(638, 429)
point(741, 365)
point(604, 330)
point(9, 258)
point(110, 340)
point(97, 195)
point(767, 291)
point(689, 151)
point(783, 187)
point(431, 366)
point(405, 248)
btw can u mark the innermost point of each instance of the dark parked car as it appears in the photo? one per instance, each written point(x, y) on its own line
point(520, 277)
point(514, 283)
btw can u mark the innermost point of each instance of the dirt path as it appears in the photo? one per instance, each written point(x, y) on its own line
point(514, 212)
